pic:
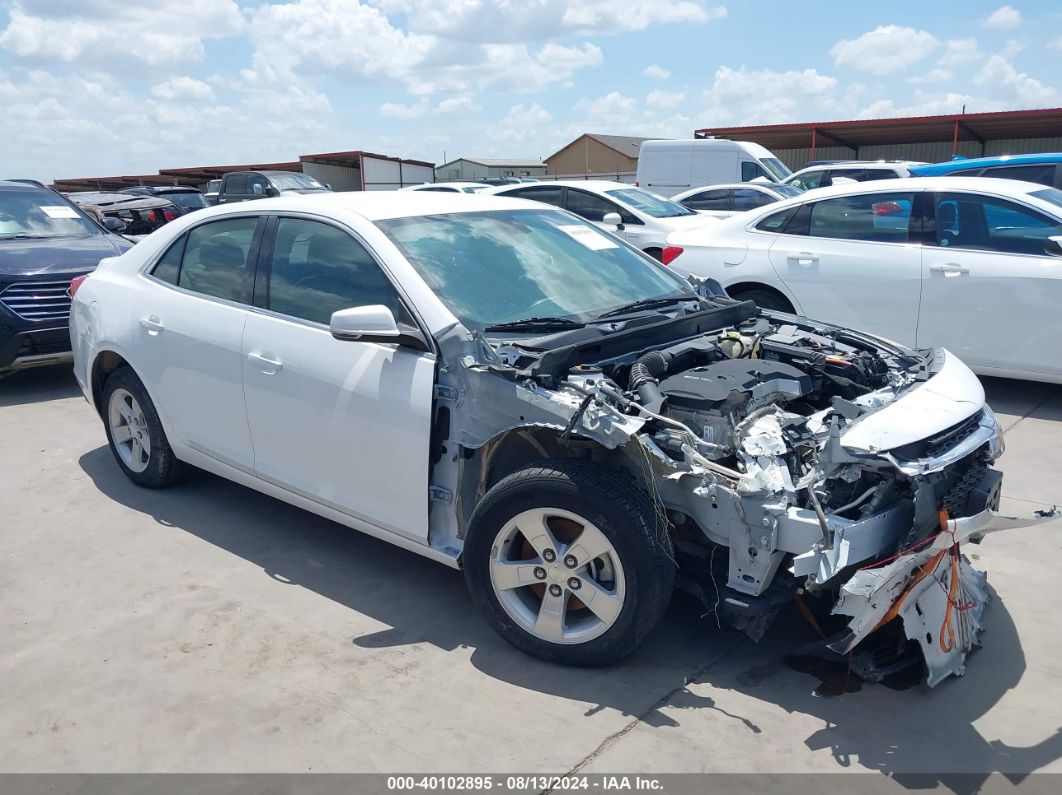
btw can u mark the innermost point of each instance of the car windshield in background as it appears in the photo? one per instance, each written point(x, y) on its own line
point(646, 202)
point(1053, 195)
point(35, 214)
point(295, 182)
point(499, 267)
point(778, 169)
point(786, 191)
point(187, 200)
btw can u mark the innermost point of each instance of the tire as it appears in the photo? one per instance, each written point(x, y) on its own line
point(579, 509)
point(126, 404)
point(764, 299)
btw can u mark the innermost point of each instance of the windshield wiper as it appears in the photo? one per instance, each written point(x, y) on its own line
point(646, 303)
point(536, 324)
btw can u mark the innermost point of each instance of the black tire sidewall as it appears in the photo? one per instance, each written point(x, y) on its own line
point(628, 524)
point(765, 299)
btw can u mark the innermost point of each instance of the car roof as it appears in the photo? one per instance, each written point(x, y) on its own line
point(726, 186)
point(988, 162)
point(163, 188)
point(380, 205)
point(104, 200)
point(452, 184)
point(7, 184)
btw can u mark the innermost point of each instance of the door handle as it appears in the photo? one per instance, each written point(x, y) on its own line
point(152, 324)
point(802, 257)
point(949, 269)
point(266, 364)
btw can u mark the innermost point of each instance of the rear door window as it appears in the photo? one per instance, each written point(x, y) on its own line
point(216, 259)
point(1044, 173)
point(548, 194)
point(876, 217)
point(716, 199)
point(750, 198)
point(593, 207)
point(807, 181)
point(236, 184)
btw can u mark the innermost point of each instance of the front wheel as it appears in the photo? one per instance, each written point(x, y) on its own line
point(569, 563)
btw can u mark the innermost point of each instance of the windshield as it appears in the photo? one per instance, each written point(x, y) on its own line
point(295, 182)
point(646, 202)
point(498, 267)
point(187, 200)
point(786, 191)
point(1053, 195)
point(778, 169)
point(39, 214)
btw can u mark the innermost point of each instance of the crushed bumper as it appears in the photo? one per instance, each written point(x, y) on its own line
point(934, 591)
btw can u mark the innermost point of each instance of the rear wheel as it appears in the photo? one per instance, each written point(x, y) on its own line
point(568, 562)
point(135, 432)
point(763, 298)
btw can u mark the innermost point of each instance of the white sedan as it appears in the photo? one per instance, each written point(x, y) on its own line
point(502, 387)
point(641, 218)
point(969, 263)
point(449, 187)
point(723, 201)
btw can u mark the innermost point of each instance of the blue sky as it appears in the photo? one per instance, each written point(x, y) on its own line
point(102, 87)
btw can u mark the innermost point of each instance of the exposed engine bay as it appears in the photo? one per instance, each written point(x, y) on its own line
point(791, 459)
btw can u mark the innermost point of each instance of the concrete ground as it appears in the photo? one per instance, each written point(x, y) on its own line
point(210, 628)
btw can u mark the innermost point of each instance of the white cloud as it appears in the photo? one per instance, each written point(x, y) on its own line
point(399, 111)
point(513, 20)
point(183, 88)
point(884, 50)
point(1001, 79)
point(1057, 43)
point(111, 31)
point(464, 104)
point(959, 52)
point(1003, 18)
point(765, 96)
point(656, 71)
point(664, 100)
point(521, 124)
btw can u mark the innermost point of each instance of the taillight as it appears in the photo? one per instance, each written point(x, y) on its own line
point(637, 184)
point(152, 217)
point(76, 282)
point(669, 253)
point(168, 215)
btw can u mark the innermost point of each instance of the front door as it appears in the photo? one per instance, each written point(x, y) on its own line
point(990, 292)
point(191, 337)
point(345, 423)
point(848, 260)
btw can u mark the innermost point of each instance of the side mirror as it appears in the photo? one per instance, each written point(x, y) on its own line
point(258, 189)
point(374, 323)
point(115, 225)
point(1053, 245)
point(613, 219)
point(271, 191)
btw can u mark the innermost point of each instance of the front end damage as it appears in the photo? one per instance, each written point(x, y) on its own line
point(791, 459)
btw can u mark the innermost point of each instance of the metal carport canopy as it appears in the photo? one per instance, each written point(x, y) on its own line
point(981, 127)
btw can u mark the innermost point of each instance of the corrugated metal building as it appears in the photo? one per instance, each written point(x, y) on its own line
point(931, 139)
point(468, 169)
point(344, 171)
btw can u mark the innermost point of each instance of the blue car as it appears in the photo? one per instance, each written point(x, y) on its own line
point(1046, 169)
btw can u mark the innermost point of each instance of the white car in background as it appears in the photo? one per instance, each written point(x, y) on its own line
point(722, 201)
point(968, 263)
point(843, 173)
point(450, 187)
point(641, 218)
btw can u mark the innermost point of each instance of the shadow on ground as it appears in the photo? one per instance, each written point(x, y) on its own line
point(37, 386)
point(907, 735)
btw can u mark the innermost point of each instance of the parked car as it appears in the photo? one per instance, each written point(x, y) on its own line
point(722, 201)
point(498, 180)
point(241, 186)
point(134, 217)
point(969, 263)
point(670, 167)
point(188, 199)
point(450, 187)
point(846, 171)
point(45, 241)
point(504, 388)
point(211, 194)
point(1045, 169)
point(633, 214)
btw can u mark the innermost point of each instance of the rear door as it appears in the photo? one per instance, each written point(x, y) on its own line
point(342, 422)
point(190, 328)
point(990, 292)
point(850, 260)
point(717, 202)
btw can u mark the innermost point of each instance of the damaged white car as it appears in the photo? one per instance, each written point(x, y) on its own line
point(505, 388)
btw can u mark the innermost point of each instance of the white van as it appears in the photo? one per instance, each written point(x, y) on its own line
point(670, 167)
